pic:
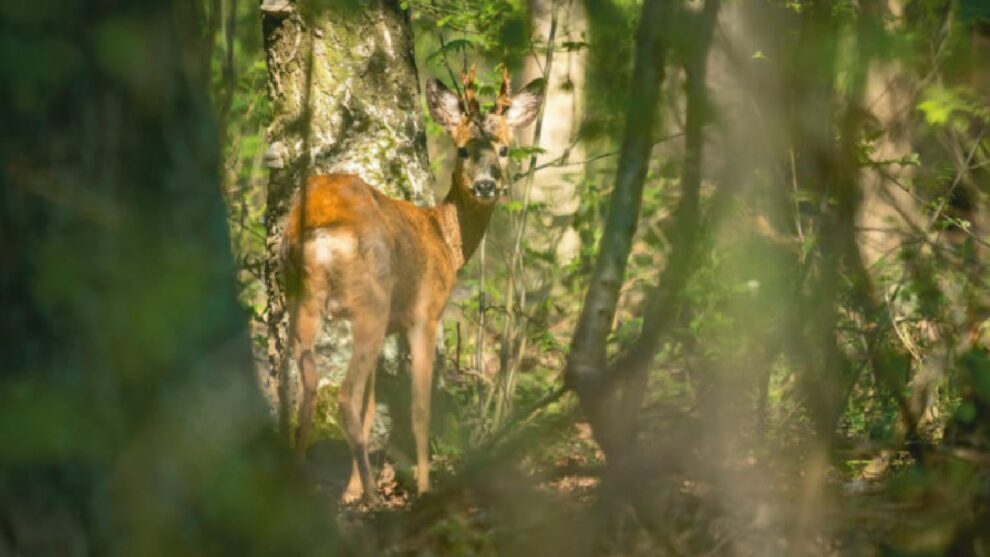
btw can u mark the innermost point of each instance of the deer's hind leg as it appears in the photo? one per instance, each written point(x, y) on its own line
point(306, 322)
point(353, 490)
point(356, 410)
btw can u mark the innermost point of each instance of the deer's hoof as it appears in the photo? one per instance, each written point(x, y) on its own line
point(350, 496)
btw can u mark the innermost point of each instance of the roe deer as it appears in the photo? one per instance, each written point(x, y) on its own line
point(388, 266)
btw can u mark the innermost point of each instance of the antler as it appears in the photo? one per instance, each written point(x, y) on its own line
point(470, 99)
point(504, 100)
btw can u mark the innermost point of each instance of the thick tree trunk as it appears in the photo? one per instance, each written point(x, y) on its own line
point(131, 423)
point(345, 96)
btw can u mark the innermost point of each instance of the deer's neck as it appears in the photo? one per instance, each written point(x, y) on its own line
point(463, 220)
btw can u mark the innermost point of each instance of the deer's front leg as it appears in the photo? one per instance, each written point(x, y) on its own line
point(422, 344)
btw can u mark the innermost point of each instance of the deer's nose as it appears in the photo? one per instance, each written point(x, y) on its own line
point(485, 188)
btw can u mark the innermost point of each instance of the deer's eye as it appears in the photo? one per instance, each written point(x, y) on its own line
point(503, 151)
point(462, 152)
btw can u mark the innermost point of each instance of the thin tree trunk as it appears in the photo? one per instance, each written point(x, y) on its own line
point(661, 306)
point(586, 363)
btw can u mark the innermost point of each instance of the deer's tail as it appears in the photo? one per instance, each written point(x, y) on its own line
point(290, 260)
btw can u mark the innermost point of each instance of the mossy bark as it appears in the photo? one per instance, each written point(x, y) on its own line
point(345, 96)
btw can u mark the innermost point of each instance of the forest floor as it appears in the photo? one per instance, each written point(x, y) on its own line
point(869, 502)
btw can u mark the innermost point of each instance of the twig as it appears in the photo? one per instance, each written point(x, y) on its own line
point(955, 182)
point(562, 159)
point(524, 416)
point(446, 62)
point(516, 258)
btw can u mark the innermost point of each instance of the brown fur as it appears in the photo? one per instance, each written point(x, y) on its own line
point(386, 266)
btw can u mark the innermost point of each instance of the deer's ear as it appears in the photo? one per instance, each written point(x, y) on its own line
point(525, 104)
point(444, 105)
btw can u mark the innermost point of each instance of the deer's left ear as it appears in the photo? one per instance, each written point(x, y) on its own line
point(525, 104)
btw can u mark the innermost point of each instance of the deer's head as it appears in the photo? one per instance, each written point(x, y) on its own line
point(482, 139)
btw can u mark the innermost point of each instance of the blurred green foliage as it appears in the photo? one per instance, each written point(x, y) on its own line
point(130, 419)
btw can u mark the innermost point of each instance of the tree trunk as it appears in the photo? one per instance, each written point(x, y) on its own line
point(557, 186)
point(131, 420)
point(345, 97)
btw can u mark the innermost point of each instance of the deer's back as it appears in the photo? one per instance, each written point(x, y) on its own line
point(371, 246)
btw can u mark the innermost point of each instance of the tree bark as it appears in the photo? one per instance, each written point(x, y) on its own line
point(345, 97)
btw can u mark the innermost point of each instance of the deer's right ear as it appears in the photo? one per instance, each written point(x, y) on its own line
point(444, 105)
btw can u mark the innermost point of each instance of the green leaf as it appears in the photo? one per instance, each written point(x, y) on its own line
point(571, 46)
point(453, 46)
point(525, 151)
point(940, 104)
